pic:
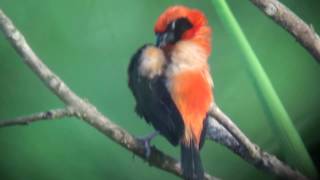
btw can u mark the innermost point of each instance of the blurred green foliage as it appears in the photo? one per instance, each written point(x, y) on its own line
point(88, 43)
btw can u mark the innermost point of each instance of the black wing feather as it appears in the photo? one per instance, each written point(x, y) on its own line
point(153, 101)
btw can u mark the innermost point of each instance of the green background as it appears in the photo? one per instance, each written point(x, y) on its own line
point(88, 43)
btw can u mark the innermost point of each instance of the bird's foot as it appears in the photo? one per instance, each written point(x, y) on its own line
point(146, 141)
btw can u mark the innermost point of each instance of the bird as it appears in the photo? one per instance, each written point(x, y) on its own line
point(172, 85)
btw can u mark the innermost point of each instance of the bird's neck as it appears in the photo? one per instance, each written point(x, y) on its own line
point(202, 37)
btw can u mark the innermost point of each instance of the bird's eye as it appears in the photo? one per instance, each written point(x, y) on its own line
point(173, 25)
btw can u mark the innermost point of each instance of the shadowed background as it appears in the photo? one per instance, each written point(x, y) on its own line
point(88, 43)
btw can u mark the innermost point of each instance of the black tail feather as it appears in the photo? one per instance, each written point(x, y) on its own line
point(191, 163)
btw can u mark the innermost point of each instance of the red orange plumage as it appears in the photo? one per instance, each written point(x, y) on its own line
point(176, 100)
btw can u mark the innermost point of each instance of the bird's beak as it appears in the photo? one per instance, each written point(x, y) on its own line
point(163, 39)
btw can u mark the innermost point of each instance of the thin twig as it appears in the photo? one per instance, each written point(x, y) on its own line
point(287, 19)
point(51, 114)
point(249, 151)
point(86, 110)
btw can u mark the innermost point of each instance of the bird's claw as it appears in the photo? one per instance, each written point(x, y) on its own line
point(146, 141)
point(147, 146)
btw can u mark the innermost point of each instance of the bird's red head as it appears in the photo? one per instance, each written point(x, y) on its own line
point(182, 23)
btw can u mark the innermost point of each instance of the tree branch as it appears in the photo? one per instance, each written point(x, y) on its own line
point(240, 144)
point(303, 33)
point(51, 114)
point(221, 129)
point(84, 109)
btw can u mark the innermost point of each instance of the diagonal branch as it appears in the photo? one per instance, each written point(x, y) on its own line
point(48, 115)
point(240, 144)
point(84, 109)
point(282, 15)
